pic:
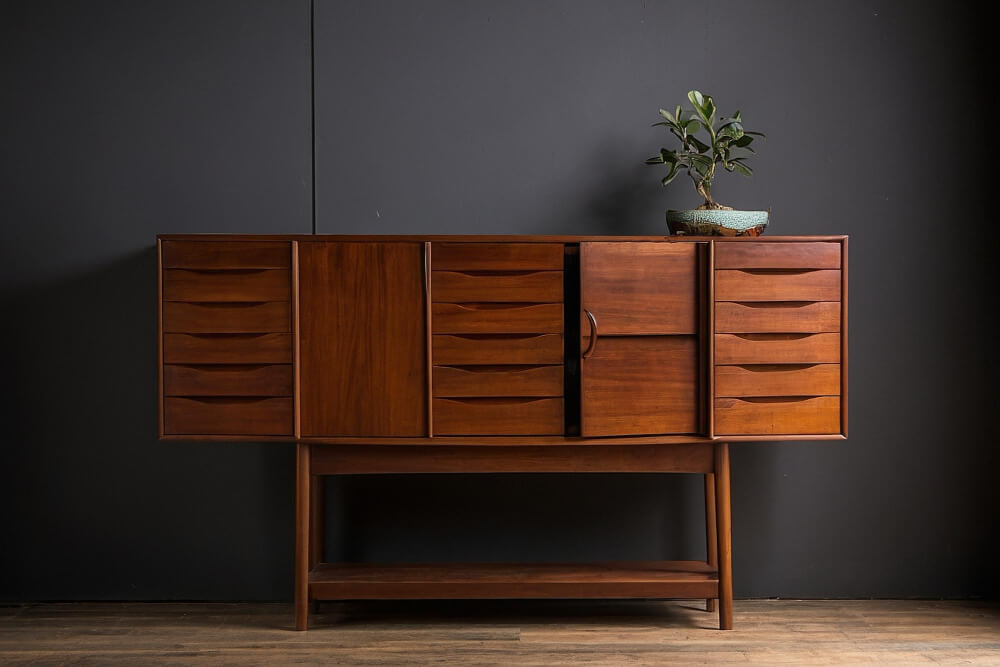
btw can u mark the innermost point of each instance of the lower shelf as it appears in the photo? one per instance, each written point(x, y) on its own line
point(619, 579)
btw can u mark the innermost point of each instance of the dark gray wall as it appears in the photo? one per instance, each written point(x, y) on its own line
point(126, 119)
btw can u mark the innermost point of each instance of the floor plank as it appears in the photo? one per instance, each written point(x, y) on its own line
point(542, 632)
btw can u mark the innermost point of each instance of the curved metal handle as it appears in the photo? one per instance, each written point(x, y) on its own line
point(593, 334)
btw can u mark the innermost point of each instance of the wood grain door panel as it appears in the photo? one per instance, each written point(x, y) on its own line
point(640, 385)
point(362, 339)
point(640, 288)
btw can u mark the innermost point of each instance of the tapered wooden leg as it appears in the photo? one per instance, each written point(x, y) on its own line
point(302, 523)
point(317, 505)
point(710, 532)
point(725, 540)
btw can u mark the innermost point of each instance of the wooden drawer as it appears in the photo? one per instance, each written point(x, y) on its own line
point(498, 349)
point(231, 285)
point(777, 317)
point(524, 287)
point(497, 256)
point(267, 348)
point(775, 255)
point(226, 254)
point(754, 285)
point(778, 380)
point(227, 380)
point(777, 416)
point(497, 318)
point(227, 416)
point(821, 348)
point(471, 381)
point(273, 316)
point(498, 416)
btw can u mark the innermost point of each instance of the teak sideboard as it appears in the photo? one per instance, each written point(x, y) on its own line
point(430, 354)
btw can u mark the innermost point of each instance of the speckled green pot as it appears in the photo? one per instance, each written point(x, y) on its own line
point(715, 222)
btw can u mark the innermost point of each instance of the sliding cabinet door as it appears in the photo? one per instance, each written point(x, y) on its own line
point(639, 338)
point(363, 346)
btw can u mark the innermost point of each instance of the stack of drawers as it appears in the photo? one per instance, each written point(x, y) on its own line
point(777, 338)
point(497, 325)
point(227, 342)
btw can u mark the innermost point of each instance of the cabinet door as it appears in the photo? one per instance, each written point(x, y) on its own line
point(639, 338)
point(363, 339)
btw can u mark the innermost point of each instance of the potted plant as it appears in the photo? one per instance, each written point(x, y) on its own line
point(728, 145)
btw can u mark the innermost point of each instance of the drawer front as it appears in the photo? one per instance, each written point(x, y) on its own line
point(822, 348)
point(226, 254)
point(472, 381)
point(227, 380)
point(498, 348)
point(234, 285)
point(227, 416)
point(497, 318)
point(497, 256)
point(523, 287)
point(777, 416)
point(498, 416)
point(752, 285)
point(777, 317)
point(180, 317)
point(268, 348)
point(775, 255)
point(777, 380)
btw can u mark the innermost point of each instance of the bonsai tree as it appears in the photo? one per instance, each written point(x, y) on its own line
point(728, 145)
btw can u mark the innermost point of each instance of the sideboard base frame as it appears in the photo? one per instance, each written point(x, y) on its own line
point(317, 580)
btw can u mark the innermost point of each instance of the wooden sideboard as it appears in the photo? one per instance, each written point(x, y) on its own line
point(429, 354)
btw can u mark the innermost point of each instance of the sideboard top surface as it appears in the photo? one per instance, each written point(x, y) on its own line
point(485, 238)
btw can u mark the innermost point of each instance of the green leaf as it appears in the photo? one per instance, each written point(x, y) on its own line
point(666, 114)
point(692, 126)
point(743, 141)
point(742, 168)
point(670, 176)
point(656, 159)
point(700, 145)
point(696, 98)
point(756, 134)
point(668, 156)
point(701, 161)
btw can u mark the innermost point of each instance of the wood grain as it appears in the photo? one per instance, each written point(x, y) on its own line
point(362, 339)
point(524, 287)
point(787, 416)
point(640, 385)
point(271, 348)
point(746, 285)
point(272, 316)
point(303, 479)
point(497, 256)
point(498, 348)
point(227, 380)
point(228, 253)
point(763, 255)
point(639, 288)
point(453, 318)
point(442, 458)
point(498, 416)
point(621, 579)
point(777, 380)
point(468, 381)
point(231, 285)
point(236, 416)
point(777, 317)
point(777, 348)
point(723, 528)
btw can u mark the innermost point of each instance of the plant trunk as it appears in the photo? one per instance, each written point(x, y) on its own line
point(705, 190)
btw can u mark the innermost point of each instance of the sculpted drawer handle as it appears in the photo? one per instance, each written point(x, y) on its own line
point(593, 334)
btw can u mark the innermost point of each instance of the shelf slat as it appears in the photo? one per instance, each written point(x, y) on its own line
point(619, 579)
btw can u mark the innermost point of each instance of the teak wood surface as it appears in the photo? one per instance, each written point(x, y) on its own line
point(460, 354)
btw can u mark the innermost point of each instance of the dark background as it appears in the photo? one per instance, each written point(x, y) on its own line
point(121, 120)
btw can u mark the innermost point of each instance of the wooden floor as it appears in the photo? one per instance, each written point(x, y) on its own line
point(503, 632)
